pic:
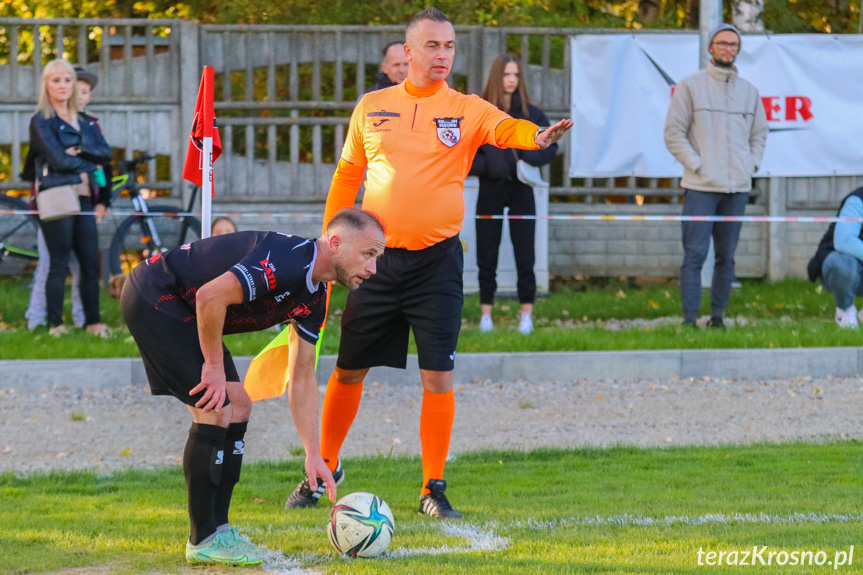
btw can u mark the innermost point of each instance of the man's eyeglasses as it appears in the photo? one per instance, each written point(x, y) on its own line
point(728, 45)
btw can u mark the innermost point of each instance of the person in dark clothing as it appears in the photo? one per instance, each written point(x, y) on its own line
point(37, 310)
point(66, 149)
point(394, 67)
point(499, 187)
point(179, 304)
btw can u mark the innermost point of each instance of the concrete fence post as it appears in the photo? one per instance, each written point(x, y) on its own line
point(190, 78)
point(777, 235)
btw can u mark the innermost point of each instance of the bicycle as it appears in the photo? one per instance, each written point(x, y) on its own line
point(140, 236)
point(136, 238)
point(17, 236)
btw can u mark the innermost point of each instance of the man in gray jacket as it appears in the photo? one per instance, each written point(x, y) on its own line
point(716, 127)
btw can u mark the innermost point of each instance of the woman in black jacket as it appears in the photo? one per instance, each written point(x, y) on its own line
point(66, 149)
point(499, 187)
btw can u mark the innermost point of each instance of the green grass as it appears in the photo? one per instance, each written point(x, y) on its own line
point(562, 511)
point(790, 313)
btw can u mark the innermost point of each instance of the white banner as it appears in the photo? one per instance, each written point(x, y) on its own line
point(811, 87)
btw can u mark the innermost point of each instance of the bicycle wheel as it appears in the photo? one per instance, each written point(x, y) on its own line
point(132, 242)
point(17, 237)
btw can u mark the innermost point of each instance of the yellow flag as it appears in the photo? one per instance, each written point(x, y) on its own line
point(268, 373)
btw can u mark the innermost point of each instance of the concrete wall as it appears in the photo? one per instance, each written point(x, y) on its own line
point(608, 248)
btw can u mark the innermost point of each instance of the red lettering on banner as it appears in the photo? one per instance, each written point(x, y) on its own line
point(770, 108)
point(795, 105)
point(796, 108)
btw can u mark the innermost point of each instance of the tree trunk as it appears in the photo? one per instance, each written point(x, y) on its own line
point(648, 10)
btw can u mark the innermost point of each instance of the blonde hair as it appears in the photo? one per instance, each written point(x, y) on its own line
point(51, 69)
point(494, 88)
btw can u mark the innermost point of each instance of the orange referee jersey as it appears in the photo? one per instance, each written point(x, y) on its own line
point(418, 146)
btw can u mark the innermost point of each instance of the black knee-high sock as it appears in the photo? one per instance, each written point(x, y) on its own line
point(202, 466)
point(234, 445)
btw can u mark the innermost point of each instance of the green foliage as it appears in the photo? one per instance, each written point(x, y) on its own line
point(780, 16)
point(560, 511)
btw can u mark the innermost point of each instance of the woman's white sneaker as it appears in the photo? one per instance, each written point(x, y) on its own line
point(525, 326)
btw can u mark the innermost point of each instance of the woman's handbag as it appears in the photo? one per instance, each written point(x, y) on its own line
point(58, 202)
point(528, 174)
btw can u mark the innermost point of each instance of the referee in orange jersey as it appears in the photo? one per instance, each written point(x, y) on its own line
point(415, 143)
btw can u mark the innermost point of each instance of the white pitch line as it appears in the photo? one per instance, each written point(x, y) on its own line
point(668, 520)
point(479, 539)
point(484, 538)
point(278, 563)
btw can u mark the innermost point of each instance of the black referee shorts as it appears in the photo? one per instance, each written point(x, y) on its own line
point(412, 289)
point(170, 349)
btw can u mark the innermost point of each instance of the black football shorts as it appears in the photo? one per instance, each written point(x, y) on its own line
point(170, 349)
point(412, 289)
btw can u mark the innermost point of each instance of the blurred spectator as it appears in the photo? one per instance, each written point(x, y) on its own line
point(499, 188)
point(394, 67)
point(223, 225)
point(838, 261)
point(716, 127)
point(37, 310)
point(67, 149)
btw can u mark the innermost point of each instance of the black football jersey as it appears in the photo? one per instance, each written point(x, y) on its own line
point(274, 270)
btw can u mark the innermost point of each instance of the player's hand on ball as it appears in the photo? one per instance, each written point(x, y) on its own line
point(214, 387)
point(317, 470)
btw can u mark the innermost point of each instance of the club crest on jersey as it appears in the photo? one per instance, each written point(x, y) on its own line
point(448, 130)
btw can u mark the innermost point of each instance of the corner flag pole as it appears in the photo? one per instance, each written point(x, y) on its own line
point(207, 155)
point(204, 148)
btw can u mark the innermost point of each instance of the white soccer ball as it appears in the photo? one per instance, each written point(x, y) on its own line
point(361, 525)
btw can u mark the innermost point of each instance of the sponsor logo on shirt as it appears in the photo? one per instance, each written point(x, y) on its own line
point(378, 119)
point(269, 272)
point(155, 258)
point(448, 130)
point(186, 246)
point(282, 296)
point(301, 310)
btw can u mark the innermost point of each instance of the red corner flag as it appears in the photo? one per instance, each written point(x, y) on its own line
point(204, 126)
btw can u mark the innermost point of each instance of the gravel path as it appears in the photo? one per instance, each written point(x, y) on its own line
point(112, 428)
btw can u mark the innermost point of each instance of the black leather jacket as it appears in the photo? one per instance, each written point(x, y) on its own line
point(48, 162)
point(493, 163)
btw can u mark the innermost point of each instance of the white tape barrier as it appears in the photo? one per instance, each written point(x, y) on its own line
point(583, 217)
